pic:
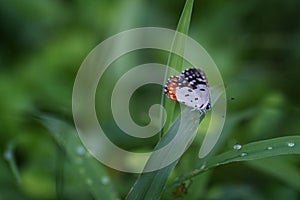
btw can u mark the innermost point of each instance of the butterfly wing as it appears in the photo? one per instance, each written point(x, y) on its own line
point(190, 88)
point(195, 98)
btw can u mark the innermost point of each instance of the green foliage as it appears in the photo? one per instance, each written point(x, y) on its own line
point(150, 184)
point(256, 47)
point(175, 61)
point(252, 151)
point(92, 173)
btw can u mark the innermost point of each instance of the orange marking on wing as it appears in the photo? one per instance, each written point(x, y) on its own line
point(171, 90)
point(172, 96)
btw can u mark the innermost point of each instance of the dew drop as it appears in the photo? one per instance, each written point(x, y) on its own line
point(80, 150)
point(244, 154)
point(270, 148)
point(237, 146)
point(291, 144)
point(203, 166)
point(105, 180)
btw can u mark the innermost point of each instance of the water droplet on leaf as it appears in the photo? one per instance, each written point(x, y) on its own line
point(291, 144)
point(105, 180)
point(237, 146)
point(203, 166)
point(244, 154)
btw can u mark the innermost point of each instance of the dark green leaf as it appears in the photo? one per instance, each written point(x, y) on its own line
point(175, 61)
point(150, 184)
point(257, 150)
point(91, 171)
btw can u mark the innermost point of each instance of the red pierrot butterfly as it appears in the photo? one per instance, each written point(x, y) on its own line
point(189, 88)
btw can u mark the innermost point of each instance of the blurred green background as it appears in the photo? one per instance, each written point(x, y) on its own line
point(255, 44)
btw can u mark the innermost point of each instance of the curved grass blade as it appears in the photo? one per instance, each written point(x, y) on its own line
point(89, 169)
point(150, 184)
point(287, 145)
point(10, 158)
point(176, 62)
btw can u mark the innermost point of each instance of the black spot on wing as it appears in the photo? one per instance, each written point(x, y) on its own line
point(208, 106)
point(194, 77)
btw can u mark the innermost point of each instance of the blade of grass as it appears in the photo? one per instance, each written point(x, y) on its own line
point(10, 158)
point(256, 150)
point(150, 184)
point(175, 61)
point(89, 169)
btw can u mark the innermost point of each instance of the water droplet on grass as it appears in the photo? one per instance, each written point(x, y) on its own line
point(270, 148)
point(291, 144)
point(244, 154)
point(237, 146)
point(203, 166)
point(105, 180)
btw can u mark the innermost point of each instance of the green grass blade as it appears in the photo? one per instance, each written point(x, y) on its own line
point(150, 184)
point(176, 62)
point(287, 145)
point(92, 173)
point(10, 158)
point(258, 150)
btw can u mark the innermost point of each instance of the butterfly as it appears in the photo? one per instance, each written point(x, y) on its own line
point(190, 88)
